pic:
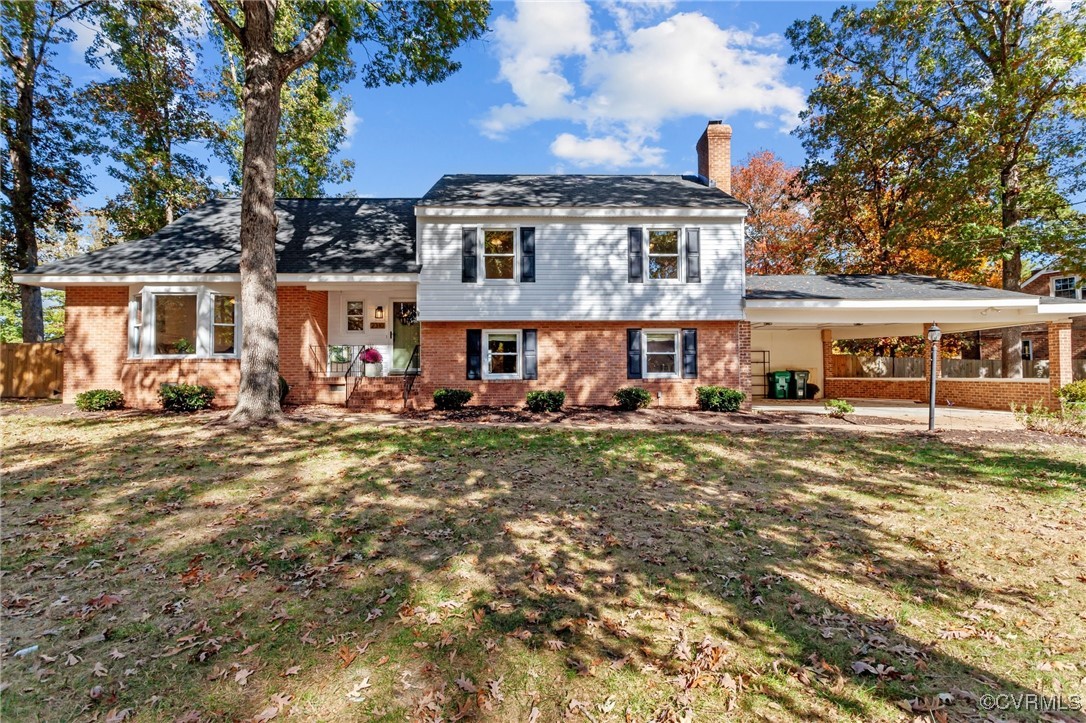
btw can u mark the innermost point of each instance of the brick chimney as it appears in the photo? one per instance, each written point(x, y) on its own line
point(715, 154)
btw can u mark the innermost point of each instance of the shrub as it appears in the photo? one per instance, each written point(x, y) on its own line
point(1069, 419)
point(446, 399)
point(720, 399)
point(546, 401)
point(838, 407)
point(632, 398)
point(185, 397)
point(284, 390)
point(371, 356)
point(99, 400)
point(1073, 393)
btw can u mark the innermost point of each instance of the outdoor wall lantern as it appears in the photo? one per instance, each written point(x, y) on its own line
point(934, 335)
point(379, 312)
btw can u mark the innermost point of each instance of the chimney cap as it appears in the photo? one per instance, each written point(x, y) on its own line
point(715, 122)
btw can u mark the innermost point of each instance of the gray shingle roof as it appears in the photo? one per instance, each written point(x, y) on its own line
point(855, 287)
point(548, 191)
point(319, 235)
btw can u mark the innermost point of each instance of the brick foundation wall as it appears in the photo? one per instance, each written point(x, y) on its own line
point(586, 360)
point(96, 349)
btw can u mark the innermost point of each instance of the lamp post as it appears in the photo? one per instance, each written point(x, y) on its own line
point(934, 335)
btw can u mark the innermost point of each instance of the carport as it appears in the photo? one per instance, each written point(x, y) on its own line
point(795, 320)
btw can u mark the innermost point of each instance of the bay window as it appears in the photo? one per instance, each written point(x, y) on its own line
point(178, 322)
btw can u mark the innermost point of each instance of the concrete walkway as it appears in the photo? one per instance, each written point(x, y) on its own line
point(908, 413)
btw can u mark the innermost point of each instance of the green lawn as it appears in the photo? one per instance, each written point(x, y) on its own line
point(339, 571)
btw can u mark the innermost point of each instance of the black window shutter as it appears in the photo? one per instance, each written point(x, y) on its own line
point(470, 272)
point(531, 364)
point(527, 253)
point(693, 255)
point(633, 353)
point(475, 353)
point(637, 273)
point(690, 353)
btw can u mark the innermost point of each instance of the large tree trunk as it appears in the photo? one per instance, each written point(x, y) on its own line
point(258, 395)
point(22, 201)
point(1011, 189)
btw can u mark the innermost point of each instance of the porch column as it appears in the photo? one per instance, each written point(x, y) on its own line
point(1060, 370)
point(827, 357)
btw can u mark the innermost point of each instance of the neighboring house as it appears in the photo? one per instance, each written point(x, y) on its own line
point(1053, 285)
point(500, 285)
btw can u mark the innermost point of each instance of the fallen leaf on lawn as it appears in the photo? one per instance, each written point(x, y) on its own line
point(494, 688)
point(117, 715)
point(72, 660)
point(116, 654)
point(266, 715)
point(355, 694)
point(347, 655)
point(465, 684)
point(100, 670)
point(292, 670)
point(242, 676)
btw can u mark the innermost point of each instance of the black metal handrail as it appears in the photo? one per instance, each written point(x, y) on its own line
point(410, 374)
point(344, 363)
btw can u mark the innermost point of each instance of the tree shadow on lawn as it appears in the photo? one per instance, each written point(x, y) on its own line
point(670, 571)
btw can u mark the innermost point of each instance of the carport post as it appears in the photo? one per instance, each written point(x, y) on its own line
point(934, 335)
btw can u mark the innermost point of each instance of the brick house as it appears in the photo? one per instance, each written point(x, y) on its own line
point(500, 284)
point(1053, 285)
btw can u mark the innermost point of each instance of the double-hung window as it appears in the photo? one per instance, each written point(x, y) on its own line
point(661, 353)
point(224, 325)
point(502, 355)
point(499, 254)
point(135, 324)
point(1064, 288)
point(179, 322)
point(663, 253)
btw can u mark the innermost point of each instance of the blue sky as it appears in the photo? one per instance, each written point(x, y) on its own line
point(575, 87)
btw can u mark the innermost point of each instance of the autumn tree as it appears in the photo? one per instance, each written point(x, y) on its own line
point(954, 128)
point(779, 228)
point(45, 138)
point(152, 108)
point(404, 42)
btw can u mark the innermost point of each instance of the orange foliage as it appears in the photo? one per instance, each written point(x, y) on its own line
point(779, 230)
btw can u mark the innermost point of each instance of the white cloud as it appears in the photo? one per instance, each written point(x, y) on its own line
point(350, 123)
point(621, 85)
point(607, 151)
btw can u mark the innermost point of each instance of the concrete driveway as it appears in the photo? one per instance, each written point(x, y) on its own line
point(908, 413)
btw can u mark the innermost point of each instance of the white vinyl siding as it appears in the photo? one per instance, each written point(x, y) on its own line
point(581, 274)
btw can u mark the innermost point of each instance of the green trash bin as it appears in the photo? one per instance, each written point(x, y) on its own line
point(777, 385)
point(797, 383)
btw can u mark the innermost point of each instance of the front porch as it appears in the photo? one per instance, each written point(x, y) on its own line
point(341, 328)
